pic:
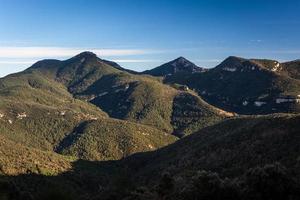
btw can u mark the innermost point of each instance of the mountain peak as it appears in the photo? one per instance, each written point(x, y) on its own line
point(180, 64)
point(86, 54)
point(234, 59)
point(181, 58)
point(181, 61)
point(231, 62)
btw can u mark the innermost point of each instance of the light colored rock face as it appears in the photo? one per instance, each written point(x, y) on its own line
point(259, 103)
point(102, 94)
point(118, 90)
point(145, 133)
point(21, 115)
point(229, 69)
point(288, 100)
point(1, 115)
point(62, 113)
point(245, 103)
point(283, 100)
point(276, 67)
point(262, 96)
point(10, 121)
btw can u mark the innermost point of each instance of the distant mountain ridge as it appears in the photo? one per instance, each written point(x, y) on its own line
point(179, 65)
point(247, 86)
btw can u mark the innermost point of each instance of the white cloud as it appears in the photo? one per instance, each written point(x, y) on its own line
point(50, 52)
point(9, 62)
point(256, 40)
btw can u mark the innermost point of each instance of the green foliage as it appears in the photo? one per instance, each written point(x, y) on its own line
point(52, 115)
point(107, 139)
point(270, 182)
point(191, 113)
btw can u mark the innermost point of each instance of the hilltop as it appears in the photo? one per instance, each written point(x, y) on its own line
point(179, 65)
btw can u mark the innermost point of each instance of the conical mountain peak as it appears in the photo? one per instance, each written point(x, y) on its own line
point(179, 65)
point(86, 55)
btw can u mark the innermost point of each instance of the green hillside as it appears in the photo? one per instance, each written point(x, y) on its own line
point(231, 147)
point(109, 139)
point(16, 158)
point(227, 160)
point(37, 111)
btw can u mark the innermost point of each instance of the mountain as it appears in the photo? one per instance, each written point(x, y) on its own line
point(86, 108)
point(122, 95)
point(290, 69)
point(38, 111)
point(179, 65)
point(247, 86)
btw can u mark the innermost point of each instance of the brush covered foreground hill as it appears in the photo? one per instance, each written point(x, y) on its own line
point(229, 147)
point(250, 151)
point(247, 86)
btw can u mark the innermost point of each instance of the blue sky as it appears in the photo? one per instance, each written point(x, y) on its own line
point(141, 34)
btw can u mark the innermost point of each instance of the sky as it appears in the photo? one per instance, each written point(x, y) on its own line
point(142, 34)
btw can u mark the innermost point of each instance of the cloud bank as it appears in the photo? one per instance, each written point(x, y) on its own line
point(50, 52)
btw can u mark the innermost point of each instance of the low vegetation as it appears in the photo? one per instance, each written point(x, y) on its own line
point(243, 158)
